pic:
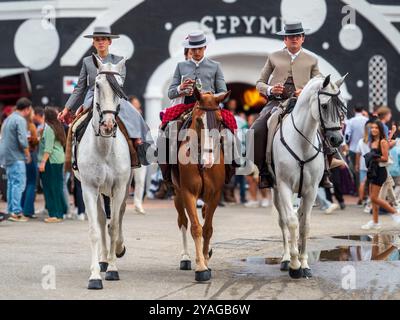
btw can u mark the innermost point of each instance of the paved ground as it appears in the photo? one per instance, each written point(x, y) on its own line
point(243, 238)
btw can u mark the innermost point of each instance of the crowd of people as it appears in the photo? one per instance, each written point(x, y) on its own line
point(32, 154)
point(32, 157)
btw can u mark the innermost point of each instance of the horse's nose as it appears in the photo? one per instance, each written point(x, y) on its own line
point(335, 140)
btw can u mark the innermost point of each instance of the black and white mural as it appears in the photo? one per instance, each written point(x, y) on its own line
point(356, 36)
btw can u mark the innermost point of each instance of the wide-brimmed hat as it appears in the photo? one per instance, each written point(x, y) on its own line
point(195, 40)
point(102, 32)
point(292, 28)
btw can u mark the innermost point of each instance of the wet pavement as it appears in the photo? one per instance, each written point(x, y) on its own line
point(42, 261)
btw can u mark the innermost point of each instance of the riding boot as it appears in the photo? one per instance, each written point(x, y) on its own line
point(266, 180)
point(325, 181)
point(141, 149)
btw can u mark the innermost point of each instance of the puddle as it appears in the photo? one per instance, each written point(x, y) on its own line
point(378, 247)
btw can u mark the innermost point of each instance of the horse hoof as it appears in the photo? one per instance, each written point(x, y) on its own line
point(210, 253)
point(112, 276)
point(202, 275)
point(307, 273)
point(296, 274)
point(103, 266)
point(120, 255)
point(186, 265)
point(285, 266)
point(95, 284)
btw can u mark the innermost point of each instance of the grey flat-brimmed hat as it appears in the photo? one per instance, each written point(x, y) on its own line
point(292, 28)
point(196, 39)
point(102, 32)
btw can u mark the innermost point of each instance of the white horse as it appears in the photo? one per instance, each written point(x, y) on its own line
point(299, 164)
point(104, 166)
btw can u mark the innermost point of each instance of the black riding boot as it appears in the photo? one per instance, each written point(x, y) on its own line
point(325, 181)
point(266, 180)
point(141, 150)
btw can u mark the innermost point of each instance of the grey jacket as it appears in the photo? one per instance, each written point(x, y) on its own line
point(87, 79)
point(13, 139)
point(208, 71)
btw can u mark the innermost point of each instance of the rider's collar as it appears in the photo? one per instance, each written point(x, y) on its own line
point(197, 63)
point(293, 55)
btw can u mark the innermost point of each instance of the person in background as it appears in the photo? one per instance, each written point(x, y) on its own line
point(253, 180)
point(377, 175)
point(139, 174)
point(354, 132)
point(385, 116)
point(52, 158)
point(14, 153)
point(324, 204)
point(38, 119)
point(28, 197)
point(360, 167)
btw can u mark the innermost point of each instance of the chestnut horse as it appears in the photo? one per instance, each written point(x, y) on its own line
point(203, 176)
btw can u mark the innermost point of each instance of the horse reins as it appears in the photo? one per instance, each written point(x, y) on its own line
point(318, 149)
point(117, 89)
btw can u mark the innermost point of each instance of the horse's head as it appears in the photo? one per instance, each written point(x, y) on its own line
point(107, 95)
point(329, 109)
point(206, 118)
point(206, 113)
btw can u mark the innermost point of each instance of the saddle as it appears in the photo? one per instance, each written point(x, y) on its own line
point(183, 122)
point(76, 132)
point(274, 122)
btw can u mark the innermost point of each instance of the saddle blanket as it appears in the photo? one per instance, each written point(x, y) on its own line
point(174, 112)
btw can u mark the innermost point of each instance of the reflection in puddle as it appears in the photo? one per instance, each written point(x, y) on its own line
point(376, 247)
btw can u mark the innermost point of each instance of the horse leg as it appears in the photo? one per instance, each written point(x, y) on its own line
point(285, 235)
point(201, 272)
point(185, 263)
point(90, 196)
point(304, 215)
point(120, 247)
point(101, 216)
point(208, 227)
point(116, 203)
point(292, 222)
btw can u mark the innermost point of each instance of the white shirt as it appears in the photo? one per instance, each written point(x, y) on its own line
point(293, 56)
point(362, 148)
point(355, 130)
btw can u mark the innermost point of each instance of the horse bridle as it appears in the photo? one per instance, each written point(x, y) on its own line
point(323, 127)
point(318, 149)
point(103, 112)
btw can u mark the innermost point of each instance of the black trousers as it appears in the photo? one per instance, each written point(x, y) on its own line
point(260, 130)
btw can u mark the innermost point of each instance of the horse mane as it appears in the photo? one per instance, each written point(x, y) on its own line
point(310, 89)
point(117, 89)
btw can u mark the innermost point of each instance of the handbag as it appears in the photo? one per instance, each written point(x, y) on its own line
point(387, 163)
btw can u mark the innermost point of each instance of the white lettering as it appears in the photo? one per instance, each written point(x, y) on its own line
point(266, 25)
point(221, 24)
point(235, 22)
point(248, 21)
point(205, 20)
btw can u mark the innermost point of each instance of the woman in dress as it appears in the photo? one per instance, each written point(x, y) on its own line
point(377, 173)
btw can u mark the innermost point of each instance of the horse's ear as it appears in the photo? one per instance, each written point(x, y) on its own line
point(341, 80)
point(326, 81)
point(96, 60)
point(197, 93)
point(222, 97)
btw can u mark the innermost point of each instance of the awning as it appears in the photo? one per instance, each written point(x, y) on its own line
point(7, 72)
